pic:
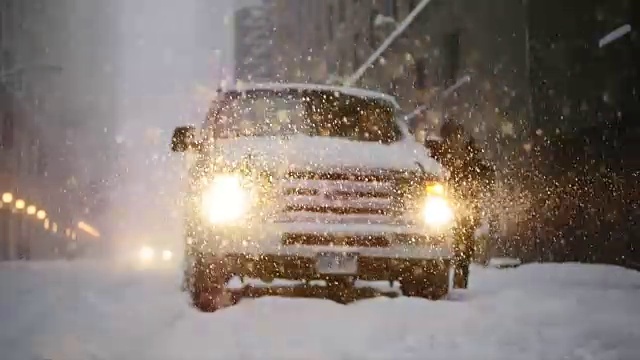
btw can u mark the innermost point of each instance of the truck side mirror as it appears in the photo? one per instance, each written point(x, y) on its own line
point(183, 139)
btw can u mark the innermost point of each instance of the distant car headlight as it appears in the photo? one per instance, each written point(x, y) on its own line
point(437, 212)
point(167, 255)
point(225, 199)
point(146, 253)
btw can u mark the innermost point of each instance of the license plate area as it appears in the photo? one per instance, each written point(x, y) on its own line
point(337, 263)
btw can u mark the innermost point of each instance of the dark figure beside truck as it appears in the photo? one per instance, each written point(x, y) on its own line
point(471, 177)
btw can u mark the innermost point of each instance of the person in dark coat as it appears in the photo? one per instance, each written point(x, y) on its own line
point(470, 178)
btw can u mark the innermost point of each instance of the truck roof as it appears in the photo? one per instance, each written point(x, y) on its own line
point(318, 87)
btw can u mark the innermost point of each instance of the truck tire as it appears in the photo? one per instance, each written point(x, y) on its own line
point(432, 286)
point(207, 286)
point(461, 276)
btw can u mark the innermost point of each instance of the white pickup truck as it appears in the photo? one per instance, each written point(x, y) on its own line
point(312, 182)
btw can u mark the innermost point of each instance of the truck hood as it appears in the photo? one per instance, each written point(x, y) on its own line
point(300, 151)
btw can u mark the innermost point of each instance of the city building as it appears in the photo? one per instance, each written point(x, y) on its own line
point(513, 51)
point(447, 40)
point(319, 41)
point(55, 108)
point(585, 106)
point(87, 49)
point(253, 43)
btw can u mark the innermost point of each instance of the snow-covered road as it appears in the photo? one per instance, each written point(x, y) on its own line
point(98, 311)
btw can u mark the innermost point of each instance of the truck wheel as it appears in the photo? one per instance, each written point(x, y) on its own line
point(461, 276)
point(432, 286)
point(207, 281)
point(341, 289)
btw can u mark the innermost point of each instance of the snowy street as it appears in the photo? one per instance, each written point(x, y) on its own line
point(83, 310)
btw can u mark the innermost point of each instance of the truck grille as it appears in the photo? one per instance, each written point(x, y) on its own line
point(353, 196)
point(352, 174)
point(328, 240)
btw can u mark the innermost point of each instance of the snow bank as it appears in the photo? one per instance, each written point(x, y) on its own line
point(502, 262)
point(68, 311)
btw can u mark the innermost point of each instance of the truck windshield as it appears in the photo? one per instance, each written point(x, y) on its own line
point(312, 113)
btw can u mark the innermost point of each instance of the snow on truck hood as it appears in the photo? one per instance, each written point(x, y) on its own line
point(302, 151)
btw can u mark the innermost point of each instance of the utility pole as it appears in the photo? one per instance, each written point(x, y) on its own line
point(448, 91)
point(386, 43)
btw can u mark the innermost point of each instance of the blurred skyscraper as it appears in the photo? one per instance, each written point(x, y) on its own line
point(57, 72)
point(253, 54)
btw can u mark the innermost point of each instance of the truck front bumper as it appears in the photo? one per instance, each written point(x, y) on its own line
point(259, 252)
point(268, 267)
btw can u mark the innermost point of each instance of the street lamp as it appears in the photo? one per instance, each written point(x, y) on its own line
point(31, 210)
point(7, 197)
point(88, 229)
point(41, 214)
point(20, 204)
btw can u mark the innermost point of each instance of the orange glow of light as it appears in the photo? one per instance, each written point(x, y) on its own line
point(436, 189)
point(88, 229)
point(7, 197)
point(20, 204)
point(41, 214)
point(31, 210)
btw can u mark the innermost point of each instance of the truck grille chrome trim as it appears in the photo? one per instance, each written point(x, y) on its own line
point(336, 240)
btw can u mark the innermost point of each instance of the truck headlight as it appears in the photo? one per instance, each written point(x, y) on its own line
point(225, 199)
point(437, 211)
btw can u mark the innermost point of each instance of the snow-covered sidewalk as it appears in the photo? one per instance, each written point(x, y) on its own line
point(82, 310)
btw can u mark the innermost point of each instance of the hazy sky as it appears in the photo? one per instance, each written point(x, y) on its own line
point(168, 49)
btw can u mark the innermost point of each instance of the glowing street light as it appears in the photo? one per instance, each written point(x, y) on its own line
point(31, 210)
point(41, 214)
point(46, 224)
point(7, 197)
point(54, 227)
point(20, 204)
point(88, 229)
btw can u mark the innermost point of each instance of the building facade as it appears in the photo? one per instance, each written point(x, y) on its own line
point(253, 43)
point(53, 97)
point(327, 41)
point(586, 105)
point(87, 49)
